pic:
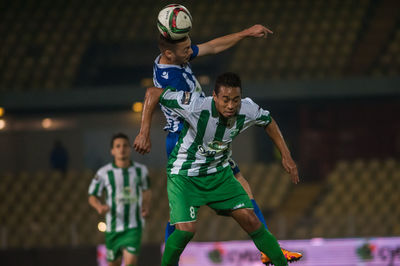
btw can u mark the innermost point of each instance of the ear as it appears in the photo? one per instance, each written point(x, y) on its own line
point(169, 54)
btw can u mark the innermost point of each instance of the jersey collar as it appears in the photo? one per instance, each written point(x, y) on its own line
point(162, 66)
point(115, 166)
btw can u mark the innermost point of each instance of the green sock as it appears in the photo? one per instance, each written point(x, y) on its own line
point(174, 247)
point(267, 243)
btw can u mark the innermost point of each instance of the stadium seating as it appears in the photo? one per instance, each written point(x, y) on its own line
point(46, 208)
point(359, 200)
point(51, 46)
point(388, 63)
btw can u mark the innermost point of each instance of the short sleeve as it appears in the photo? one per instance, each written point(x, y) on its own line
point(258, 115)
point(195, 50)
point(96, 186)
point(180, 102)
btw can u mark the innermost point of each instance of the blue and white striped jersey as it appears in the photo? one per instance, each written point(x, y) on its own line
point(181, 78)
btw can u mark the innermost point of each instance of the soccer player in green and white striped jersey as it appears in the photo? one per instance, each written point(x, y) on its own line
point(198, 169)
point(128, 198)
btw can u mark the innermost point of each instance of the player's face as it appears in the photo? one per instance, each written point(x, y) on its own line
point(228, 101)
point(121, 149)
point(182, 52)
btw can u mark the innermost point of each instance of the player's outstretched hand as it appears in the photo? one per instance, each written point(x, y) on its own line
point(142, 144)
point(291, 167)
point(257, 31)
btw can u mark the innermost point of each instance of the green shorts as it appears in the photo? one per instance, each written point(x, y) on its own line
point(117, 241)
point(221, 191)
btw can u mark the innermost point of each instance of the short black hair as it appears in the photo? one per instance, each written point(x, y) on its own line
point(227, 79)
point(118, 136)
point(168, 44)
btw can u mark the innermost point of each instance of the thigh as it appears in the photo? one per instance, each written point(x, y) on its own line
point(131, 240)
point(129, 258)
point(233, 195)
point(244, 184)
point(113, 249)
point(182, 200)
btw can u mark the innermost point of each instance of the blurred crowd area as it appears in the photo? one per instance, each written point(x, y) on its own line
point(60, 45)
point(357, 199)
point(345, 138)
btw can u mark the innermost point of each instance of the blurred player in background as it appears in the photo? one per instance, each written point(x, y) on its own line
point(127, 203)
point(172, 68)
point(198, 168)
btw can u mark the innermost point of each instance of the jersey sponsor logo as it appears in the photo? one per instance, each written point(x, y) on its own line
point(212, 148)
point(164, 75)
point(186, 98)
point(126, 197)
point(203, 151)
point(218, 145)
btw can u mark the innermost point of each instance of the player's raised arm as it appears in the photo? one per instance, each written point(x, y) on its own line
point(142, 143)
point(225, 42)
point(287, 162)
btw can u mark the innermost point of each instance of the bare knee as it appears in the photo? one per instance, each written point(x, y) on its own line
point(130, 259)
point(189, 227)
point(253, 222)
point(247, 219)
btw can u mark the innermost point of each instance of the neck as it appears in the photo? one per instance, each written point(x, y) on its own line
point(122, 163)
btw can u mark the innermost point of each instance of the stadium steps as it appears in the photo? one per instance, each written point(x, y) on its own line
point(377, 34)
point(294, 208)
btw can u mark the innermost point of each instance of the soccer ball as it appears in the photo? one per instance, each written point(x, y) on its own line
point(174, 22)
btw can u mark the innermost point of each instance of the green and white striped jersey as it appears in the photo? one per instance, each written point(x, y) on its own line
point(204, 145)
point(123, 188)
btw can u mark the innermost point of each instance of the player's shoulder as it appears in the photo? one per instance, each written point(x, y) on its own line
point(248, 101)
point(165, 70)
point(141, 166)
point(248, 104)
point(196, 100)
point(249, 107)
point(168, 76)
point(102, 171)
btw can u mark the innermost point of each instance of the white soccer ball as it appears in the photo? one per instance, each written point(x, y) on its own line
point(174, 22)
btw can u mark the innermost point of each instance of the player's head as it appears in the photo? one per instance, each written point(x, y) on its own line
point(177, 52)
point(120, 147)
point(227, 94)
